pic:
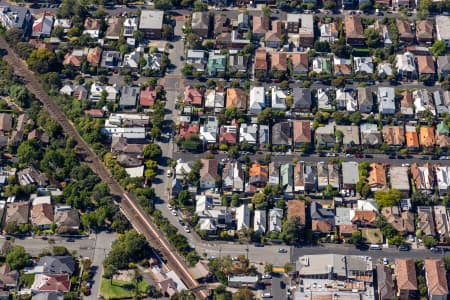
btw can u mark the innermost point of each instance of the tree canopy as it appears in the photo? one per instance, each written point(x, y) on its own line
point(17, 258)
point(387, 198)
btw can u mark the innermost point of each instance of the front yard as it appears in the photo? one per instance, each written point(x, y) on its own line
point(121, 289)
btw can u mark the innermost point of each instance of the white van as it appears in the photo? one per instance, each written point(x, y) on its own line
point(375, 247)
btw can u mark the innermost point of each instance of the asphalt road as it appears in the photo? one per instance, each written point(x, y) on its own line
point(103, 242)
point(34, 246)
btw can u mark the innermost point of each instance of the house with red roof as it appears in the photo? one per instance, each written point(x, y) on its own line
point(193, 96)
point(228, 134)
point(147, 97)
point(188, 129)
point(51, 283)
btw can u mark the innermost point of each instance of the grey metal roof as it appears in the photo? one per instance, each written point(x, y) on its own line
point(151, 19)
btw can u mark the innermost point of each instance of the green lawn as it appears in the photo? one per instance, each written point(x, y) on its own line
point(120, 289)
point(27, 280)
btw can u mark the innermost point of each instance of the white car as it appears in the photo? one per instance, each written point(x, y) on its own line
point(174, 213)
point(266, 276)
point(169, 206)
point(169, 173)
point(405, 165)
point(266, 295)
point(385, 261)
point(187, 229)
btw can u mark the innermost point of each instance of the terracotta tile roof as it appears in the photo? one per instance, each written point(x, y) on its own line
point(147, 96)
point(91, 24)
point(323, 226)
point(187, 129)
point(404, 29)
point(436, 277)
point(407, 99)
point(412, 139)
point(95, 112)
point(402, 221)
point(300, 62)
point(302, 131)
point(365, 216)
point(94, 56)
point(347, 228)
point(258, 170)
point(424, 29)
point(279, 61)
point(70, 59)
point(343, 69)
point(377, 176)
point(236, 97)
point(275, 33)
point(427, 137)
point(42, 214)
point(394, 135)
point(425, 64)
point(260, 24)
point(226, 136)
point(297, 208)
point(51, 283)
point(261, 59)
point(405, 271)
point(192, 96)
point(353, 27)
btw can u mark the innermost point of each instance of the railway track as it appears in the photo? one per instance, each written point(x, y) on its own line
point(137, 217)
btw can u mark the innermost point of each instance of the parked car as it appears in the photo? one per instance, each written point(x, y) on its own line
point(266, 276)
point(282, 250)
point(266, 295)
point(403, 248)
point(259, 245)
point(181, 222)
point(385, 261)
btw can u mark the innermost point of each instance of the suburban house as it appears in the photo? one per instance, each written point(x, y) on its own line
point(425, 64)
point(92, 27)
point(130, 26)
point(17, 212)
point(424, 31)
point(51, 283)
point(405, 33)
point(260, 61)
point(301, 133)
point(209, 130)
point(363, 65)
point(370, 136)
point(274, 174)
point(214, 100)
point(350, 134)
point(147, 97)
point(42, 26)
point(258, 176)
point(406, 66)
point(242, 217)
point(427, 136)
point(200, 23)
point(300, 63)
point(301, 101)
point(197, 58)
point(354, 30)
point(209, 173)
point(342, 66)
point(193, 96)
point(296, 208)
point(228, 134)
point(260, 27)
point(443, 66)
point(435, 275)
point(365, 100)
point(412, 138)
point(260, 222)
point(42, 213)
point(394, 135)
point(279, 98)
point(329, 32)
point(275, 217)
point(405, 272)
point(287, 178)
point(402, 221)
point(423, 177)
point(281, 134)
point(114, 28)
point(237, 63)
point(216, 63)
point(233, 177)
point(345, 100)
point(257, 100)
point(426, 220)
point(279, 62)
point(299, 177)
point(350, 175)
point(66, 218)
point(325, 135)
point(385, 283)
point(386, 100)
point(151, 23)
point(442, 32)
point(238, 98)
point(322, 219)
point(273, 37)
point(128, 97)
point(248, 133)
point(443, 179)
point(400, 179)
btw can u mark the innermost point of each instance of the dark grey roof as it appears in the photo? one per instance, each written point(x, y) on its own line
point(129, 95)
point(319, 213)
point(48, 296)
point(385, 282)
point(57, 264)
point(301, 99)
point(281, 134)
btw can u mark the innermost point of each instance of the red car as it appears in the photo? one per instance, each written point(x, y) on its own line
point(267, 282)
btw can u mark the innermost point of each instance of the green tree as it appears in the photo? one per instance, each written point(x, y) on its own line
point(192, 142)
point(292, 231)
point(429, 241)
point(199, 5)
point(387, 198)
point(43, 61)
point(259, 200)
point(29, 151)
point(163, 4)
point(372, 37)
point(243, 294)
point(438, 48)
point(152, 151)
point(17, 258)
point(184, 198)
point(322, 46)
point(268, 268)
